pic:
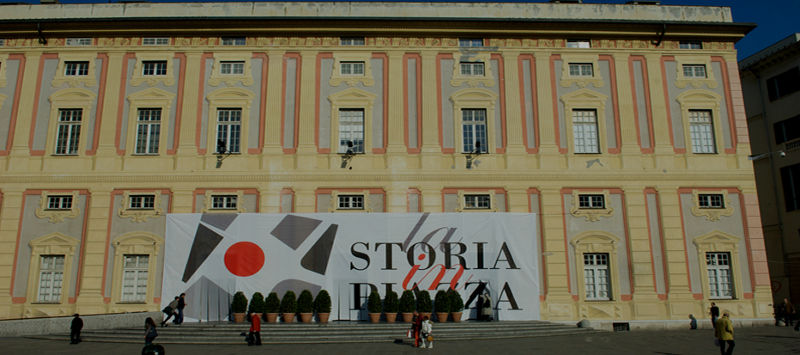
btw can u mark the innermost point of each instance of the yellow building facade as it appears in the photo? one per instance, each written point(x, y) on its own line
point(622, 127)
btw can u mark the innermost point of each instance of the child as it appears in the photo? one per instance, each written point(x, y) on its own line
point(427, 330)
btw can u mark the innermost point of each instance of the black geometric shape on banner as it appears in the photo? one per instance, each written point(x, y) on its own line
point(317, 258)
point(205, 240)
point(293, 230)
point(219, 220)
point(296, 286)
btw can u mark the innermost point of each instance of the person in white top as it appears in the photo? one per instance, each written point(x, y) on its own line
point(427, 331)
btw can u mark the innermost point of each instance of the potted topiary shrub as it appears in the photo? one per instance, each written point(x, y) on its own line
point(271, 307)
point(288, 306)
point(239, 306)
point(390, 306)
point(305, 306)
point(374, 306)
point(322, 305)
point(442, 304)
point(456, 305)
point(256, 304)
point(407, 305)
point(424, 304)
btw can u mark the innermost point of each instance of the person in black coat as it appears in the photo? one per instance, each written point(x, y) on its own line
point(75, 329)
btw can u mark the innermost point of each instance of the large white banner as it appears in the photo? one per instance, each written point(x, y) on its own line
point(211, 256)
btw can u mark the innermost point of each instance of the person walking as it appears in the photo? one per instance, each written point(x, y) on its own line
point(170, 311)
point(150, 332)
point(416, 326)
point(789, 313)
point(181, 306)
point(724, 333)
point(75, 329)
point(486, 309)
point(427, 333)
point(254, 338)
point(714, 311)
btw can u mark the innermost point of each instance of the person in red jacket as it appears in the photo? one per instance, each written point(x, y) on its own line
point(254, 338)
point(416, 327)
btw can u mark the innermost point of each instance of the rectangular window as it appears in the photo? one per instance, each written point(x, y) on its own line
point(223, 202)
point(474, 131)
point(701, 131)
point(154, 67)
point(229, 130)
point(234, 41)
point(76, 68)
point(581, 69)
point(2, 42)
point(141, 202)
point(694, 71)
point(231, 68)
point(719, 275)
point(711, 201)
point(691, 45)
point(596, 276)
point(472, 68)
point(783, 84)
point(134, 278)
point(787, 130)
point(351, 130)
point(352, 41)
point(578, 43)
point(790, 178)
point(477, 202)
point(352, 68)
point(68, 133)
point(51, 277)
point(155, 41)
point(585, 132)
point(592, 201)
point(79, 41)
point(470, 42)
point(148, 130)
point(351, 202)
point(59, 202)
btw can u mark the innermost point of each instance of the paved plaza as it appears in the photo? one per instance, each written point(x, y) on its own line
point(756, 340)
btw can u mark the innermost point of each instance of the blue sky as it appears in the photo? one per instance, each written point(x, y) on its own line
point(776, 19)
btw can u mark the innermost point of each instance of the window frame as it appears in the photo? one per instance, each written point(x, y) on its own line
point(69, 128)
point(591, 261)
point(59, 202)
point(344, 131)
point(481, 201)
point(789, 80)
point(711, 200)
point(156, 41)
point(694, 72)
point(694, 45)
point(137, 270)
point(474, 128)
point(53, 272)
point(352, 68)
point(76, 68)
point(580, 70)
point(78, 41)
point(716, 283)
point(232, 67)
point(146, 199)
point(152, 133)
point(581, 130)
point(579, 43)
point(471, 42)
point(348, 202)
point(224, 202)
point(352, 41)
point(702, 135)
point(588, 201)
point(230, 134)
point(50, 244)
point(233, 41)
point(154, 67)
point(467, 68)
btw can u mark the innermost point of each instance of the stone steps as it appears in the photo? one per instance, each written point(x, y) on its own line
point(334, 332)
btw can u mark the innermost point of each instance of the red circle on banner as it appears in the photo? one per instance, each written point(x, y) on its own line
point(244, 259)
